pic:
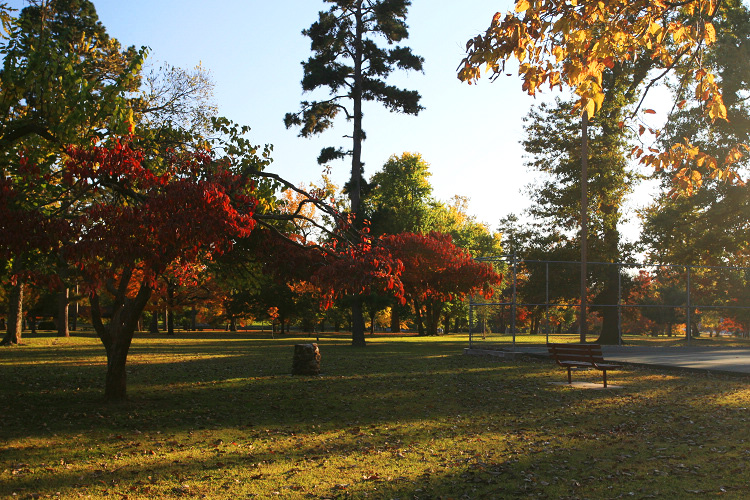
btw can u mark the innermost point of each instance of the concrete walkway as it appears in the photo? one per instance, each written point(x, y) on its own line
point(718, 359)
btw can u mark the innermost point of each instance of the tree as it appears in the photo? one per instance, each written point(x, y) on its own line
point(577, 44)
point(709, 227)
point(139, 225)
point(553, 148)
point(178, 102)
point(348, 62)
point(63, 81)
point(435, 271)
point(558, 43)
point(401, 197)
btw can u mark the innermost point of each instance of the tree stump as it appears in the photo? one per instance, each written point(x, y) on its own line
point(306, 360)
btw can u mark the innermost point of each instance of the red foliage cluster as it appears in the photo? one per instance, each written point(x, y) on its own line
point(131, 215)
point(23, 228)
point(434, 269)
point(361, 267)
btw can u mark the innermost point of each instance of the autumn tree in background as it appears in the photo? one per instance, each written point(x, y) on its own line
point(348, 61)
point(402, 201)
point(435, 271)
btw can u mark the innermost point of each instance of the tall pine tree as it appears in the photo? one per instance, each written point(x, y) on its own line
point(348, 61)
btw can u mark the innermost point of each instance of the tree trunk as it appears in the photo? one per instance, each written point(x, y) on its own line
point(31, 320)
point(170, 308)
point(395, 319)
point(193, 319)
point(432, 316)
point(358, 324)
point(63, 297)
point(372, 321)
point(420, 323)
point(154, 325)
point(15, 315)
point(232, 324)
point(117, 335)
point(73, 311)
point(447, 323)
point(355, 188)
point(582, 314)
point(170, 323)
point(115, 385)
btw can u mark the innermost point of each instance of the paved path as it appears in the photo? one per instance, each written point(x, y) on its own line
point(734, 360)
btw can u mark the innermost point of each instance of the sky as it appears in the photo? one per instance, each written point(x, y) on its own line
point(253, 49)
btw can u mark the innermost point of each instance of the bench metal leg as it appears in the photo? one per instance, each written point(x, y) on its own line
point(605, 377)
point(569, 379)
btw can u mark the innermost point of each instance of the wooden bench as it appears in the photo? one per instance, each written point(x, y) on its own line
point(575, 356)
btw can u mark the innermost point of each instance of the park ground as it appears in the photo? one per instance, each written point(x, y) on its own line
point(217, 415)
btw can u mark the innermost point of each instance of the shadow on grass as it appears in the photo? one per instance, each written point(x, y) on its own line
point(206, 412)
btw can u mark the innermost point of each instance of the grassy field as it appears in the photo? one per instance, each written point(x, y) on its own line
point(219, 416)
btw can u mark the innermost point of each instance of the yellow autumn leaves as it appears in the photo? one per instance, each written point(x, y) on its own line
point(573, 42)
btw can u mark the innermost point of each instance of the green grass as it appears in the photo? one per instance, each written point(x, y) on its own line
point(219, 416)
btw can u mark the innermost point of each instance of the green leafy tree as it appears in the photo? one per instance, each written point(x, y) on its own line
point(348, 61)
point(63, 81)
point(401, 198)
point(553, 143)
point(710, 227)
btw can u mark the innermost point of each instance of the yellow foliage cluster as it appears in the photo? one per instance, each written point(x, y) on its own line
point(573, 42)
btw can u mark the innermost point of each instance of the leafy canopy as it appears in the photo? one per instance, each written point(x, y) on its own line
point(575, 42)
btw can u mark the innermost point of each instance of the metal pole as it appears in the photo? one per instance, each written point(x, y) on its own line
point(513, 303)
point(546, 300)
point(687, 324)
point(471, 321)
point(619, 304)
point(584, 221)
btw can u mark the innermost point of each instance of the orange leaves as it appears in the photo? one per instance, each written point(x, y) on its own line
point(709, 33)
point(522, 6)
point(690, 165)
point(560, 42)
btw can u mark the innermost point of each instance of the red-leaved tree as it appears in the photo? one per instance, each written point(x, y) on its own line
point(436, 271)
point(129, 222)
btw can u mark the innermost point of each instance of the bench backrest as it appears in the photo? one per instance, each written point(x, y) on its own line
point(590, 353)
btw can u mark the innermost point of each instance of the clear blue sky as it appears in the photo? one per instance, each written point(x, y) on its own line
point(469, 134)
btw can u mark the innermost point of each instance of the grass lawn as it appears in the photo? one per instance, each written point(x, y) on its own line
point(219, 416)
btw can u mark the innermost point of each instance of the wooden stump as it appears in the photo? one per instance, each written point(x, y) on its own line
point(306, 360)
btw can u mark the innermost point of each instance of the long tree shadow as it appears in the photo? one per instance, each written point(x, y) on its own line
point(387, 399)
